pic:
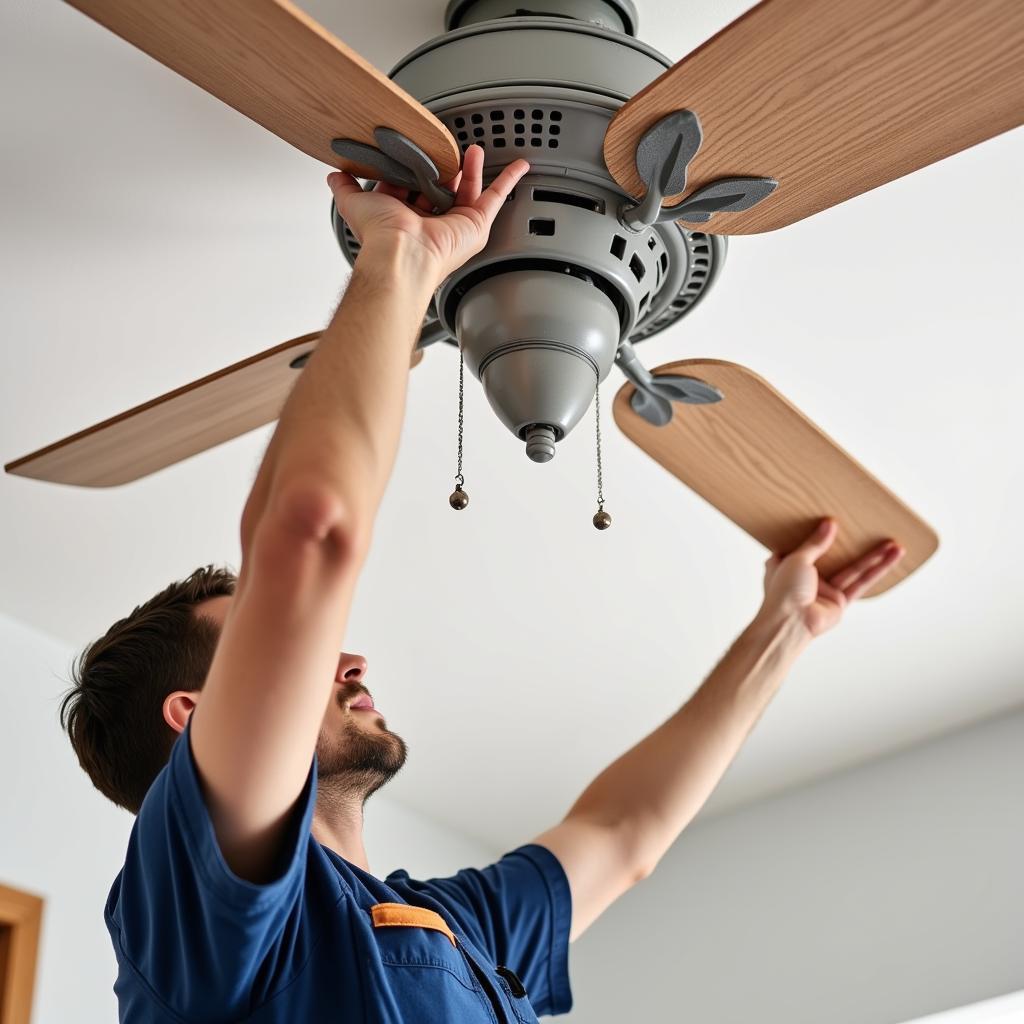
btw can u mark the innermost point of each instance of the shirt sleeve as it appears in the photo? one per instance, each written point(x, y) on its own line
point(519, 910)
point(208, 944)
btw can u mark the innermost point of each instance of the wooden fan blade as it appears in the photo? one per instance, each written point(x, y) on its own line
point(766, 466)
point(832, 98)
point(174, 426)
point(184, 422)
point(275, 64)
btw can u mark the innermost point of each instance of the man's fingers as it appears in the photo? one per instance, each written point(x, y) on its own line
point(385, 188)
point(494, 196)
point(472, 174)
point(850, 573)
point(342, 183)
point(819, 541)
point(871, 576)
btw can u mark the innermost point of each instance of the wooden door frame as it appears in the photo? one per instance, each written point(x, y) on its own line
point(21, 916)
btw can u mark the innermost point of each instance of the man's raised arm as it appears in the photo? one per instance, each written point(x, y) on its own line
point(307, 524)
point(627, 818)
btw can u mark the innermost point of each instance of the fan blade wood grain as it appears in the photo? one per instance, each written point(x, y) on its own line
point(766, 466)
point(833, 98)
point(174, 426)
point(276, 65)
point(184, 422)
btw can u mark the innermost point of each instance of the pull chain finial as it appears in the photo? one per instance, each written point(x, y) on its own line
point(602, 520)
point(459, 499)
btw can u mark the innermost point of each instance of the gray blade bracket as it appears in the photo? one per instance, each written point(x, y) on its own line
point(663, 155)
point(400, 162)
point(654, 396)
point(727, 195)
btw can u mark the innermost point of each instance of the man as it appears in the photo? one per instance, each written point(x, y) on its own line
point(220, 713)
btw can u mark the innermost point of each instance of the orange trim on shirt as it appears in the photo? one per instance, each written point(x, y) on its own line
point(395, 915)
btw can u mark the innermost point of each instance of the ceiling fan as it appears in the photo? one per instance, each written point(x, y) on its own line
point(796, 106)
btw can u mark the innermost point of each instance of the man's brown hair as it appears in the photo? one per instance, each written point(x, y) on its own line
point(113, 712)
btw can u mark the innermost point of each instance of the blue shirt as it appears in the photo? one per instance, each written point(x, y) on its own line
point(196, 943)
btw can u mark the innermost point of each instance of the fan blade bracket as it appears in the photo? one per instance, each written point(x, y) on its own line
point(653, 396)
point(652, 407)
point(687, 390)
point(663, 156)
point(727, 195)
point(399, 161)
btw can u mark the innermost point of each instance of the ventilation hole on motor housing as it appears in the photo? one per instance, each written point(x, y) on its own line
point(497, 115)
point(520, 129)
point(478, 133)
point(538, 115)
point(552, 143)
point(477, 118)
point(554, 129)
point(460, 122)
point(536, 129)
point(618, 249)
point(520, 141)
point(637, 266)
point(463, 137)
point(535, 142)
point(643, 303)
point(499, 142)
point(498, 129)
point(651, 242)
point(556, 115)
point(700, 248)
point(664, 261)
point(551, 195)
point(542, 226)
point(519, 114)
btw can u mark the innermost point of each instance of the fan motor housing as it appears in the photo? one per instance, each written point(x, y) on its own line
point(540, 311)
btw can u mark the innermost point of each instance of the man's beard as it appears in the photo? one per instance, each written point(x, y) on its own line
point(357, 762)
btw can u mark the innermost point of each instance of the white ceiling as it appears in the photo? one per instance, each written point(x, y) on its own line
point(151, 235)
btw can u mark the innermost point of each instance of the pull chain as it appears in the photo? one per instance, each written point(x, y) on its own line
point(602, 520)
point(459, 499)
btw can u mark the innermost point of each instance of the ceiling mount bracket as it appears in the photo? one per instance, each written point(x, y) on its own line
point(399, 161)
point(616, 15)
point(654, 396)
point(663, 156)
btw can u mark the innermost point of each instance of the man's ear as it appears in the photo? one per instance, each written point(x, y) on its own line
point(178, 706)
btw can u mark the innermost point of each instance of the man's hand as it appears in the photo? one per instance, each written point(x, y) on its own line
point(793, 587)
point(448, 239)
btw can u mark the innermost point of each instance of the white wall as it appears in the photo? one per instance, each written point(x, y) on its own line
point(874, 896)
point(61, 839)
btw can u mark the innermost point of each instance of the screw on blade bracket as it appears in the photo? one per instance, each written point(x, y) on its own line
point(654, 396)
point(663, 156)
point(400, 162)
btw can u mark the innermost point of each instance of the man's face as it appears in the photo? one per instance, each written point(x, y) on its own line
point(356, 752)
